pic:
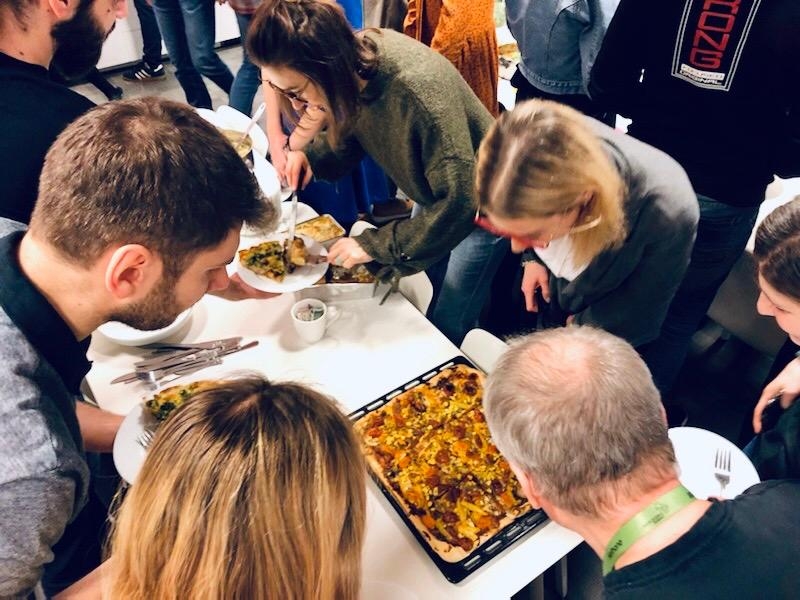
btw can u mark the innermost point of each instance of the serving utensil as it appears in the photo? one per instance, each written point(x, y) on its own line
point(253, 121)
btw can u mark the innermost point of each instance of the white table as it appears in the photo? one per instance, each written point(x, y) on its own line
point(367, 352)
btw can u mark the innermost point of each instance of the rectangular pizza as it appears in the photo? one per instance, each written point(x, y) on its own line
point(430, 448)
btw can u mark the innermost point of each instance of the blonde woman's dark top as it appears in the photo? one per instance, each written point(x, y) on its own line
point(627, 290)
point(422, 124)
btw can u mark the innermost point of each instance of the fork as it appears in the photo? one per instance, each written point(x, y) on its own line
point(145, 438)
point(722, 468)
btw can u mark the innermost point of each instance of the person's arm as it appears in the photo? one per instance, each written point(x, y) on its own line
point(632, 302)
point(98, 427)
point(411, 245)
point(309, 125)
point(90, 587)
point(785, 387)
point(36, 508)
point(614, 79)
point(275, 135)
point(330, 164)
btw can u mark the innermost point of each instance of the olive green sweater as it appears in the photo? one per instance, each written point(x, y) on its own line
point(422, 123)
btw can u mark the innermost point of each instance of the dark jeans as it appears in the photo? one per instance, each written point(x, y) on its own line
point(581, 102)
point(151, 36)
point(248, 78)
point(722, 235)
point(188, 28)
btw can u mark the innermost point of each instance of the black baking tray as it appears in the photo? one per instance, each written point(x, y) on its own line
point(453, 571)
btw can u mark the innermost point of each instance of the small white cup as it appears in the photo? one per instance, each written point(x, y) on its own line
point(311, 317)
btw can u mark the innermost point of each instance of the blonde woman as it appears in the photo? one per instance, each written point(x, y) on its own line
point(605, 223)
point(250, 490)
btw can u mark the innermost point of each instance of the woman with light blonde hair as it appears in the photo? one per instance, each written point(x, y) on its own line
point(250, 490)
point(605, 223)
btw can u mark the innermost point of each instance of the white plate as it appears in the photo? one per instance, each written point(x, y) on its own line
point(128, 454)
point(302, 277)
point(267, 178)
point(128, 336)
point(226, 117)
point(695, 450)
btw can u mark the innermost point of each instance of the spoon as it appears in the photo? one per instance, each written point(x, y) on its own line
point(253, 121)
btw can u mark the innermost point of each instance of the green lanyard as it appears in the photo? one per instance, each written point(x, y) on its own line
point(643, 523)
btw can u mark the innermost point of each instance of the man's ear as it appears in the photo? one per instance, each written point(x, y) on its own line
point(528, 484)
point(132, 271)
point(63, 10)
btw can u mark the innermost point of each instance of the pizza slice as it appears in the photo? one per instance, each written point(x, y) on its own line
point(275, 259)
point(265, 259)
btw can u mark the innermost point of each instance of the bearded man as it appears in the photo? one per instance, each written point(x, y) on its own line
point(123, 229)
point(35, 36)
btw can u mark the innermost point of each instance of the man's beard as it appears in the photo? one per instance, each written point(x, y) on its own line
point(78, 43)
point(157, 310)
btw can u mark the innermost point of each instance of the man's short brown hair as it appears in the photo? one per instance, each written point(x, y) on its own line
point(147, 171)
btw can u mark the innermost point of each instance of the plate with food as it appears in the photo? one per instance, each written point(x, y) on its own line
point(428, 447)
point(275, 265)
point(130, 443)
point(323, 229)
point(230, 119)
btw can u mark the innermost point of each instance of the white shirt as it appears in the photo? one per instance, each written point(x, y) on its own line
point(558, 257)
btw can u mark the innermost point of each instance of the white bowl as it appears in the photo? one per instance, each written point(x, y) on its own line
point(128, 336)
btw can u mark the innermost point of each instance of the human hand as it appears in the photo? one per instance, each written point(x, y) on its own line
point(347, 252)
point(277, 154)
point(570, 319)
point(786, 385)
point(534, 276)
point(239, 290)
point(298, 170)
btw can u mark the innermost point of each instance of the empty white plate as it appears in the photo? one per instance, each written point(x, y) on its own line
point(128, 336)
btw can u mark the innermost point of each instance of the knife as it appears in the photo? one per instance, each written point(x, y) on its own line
point(164, 348)
point(164, 359)
point(293, 216)
point(201, 362)
point(293, 212)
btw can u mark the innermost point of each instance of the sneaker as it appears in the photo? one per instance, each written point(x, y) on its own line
point(114, 93)
point(143, 72)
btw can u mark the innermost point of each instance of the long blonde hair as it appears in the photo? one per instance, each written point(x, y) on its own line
point(250, 490)
point(540, 160)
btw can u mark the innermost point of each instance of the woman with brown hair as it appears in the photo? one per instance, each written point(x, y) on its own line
point(776, 451)
point(605, 223)
point(250, 490)
point(382, 94)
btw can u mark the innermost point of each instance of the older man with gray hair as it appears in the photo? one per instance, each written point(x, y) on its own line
point(577, 415)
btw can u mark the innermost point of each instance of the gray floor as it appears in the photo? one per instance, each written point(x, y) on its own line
point(167, 87)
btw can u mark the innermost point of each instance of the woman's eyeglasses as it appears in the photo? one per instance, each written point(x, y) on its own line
point(295, 97)
point(483, 222)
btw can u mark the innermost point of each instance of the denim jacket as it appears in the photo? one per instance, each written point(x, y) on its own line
point(559, 40)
